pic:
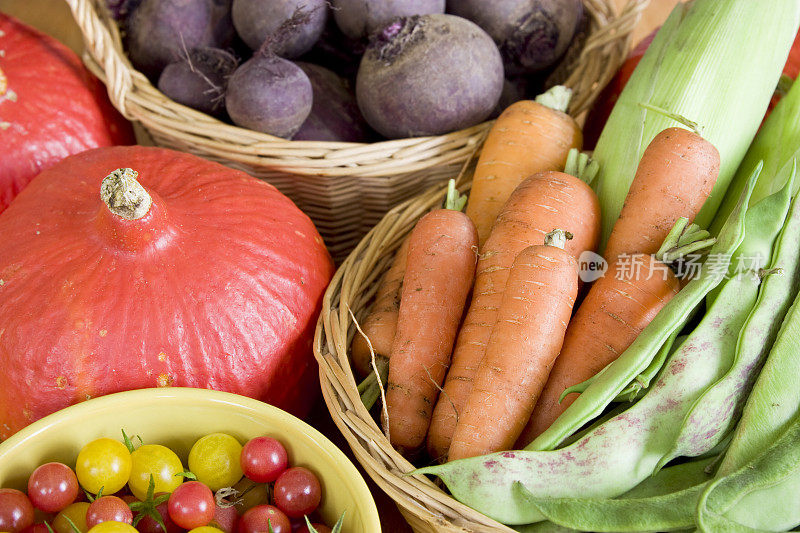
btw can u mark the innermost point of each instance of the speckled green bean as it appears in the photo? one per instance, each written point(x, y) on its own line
point(715, 412)
point(765, 501)
point(762, 495)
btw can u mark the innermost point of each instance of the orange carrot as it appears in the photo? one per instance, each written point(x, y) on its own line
point(381, 323)
point(528, 137)
point(542, 202)
point(618, 306)
point(675, 176)
point(440, 269)
point(531, 321)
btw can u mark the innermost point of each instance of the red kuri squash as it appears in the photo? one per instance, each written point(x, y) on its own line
point(50, 107)
point(202, 276)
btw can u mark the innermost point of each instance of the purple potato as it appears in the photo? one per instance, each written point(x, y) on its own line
point(428, 75)
point(257, 20)
point(531, 34)
point(359, 18)
point(161, 31)
point(199, 80)
point(334, 114)
point(269, 94)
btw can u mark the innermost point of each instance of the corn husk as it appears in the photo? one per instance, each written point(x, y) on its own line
point(713, 62)
point(777, 144)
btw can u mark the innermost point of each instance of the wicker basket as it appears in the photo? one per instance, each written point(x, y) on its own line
point(329, 180)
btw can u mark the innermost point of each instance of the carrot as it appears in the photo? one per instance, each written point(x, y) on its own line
point(440, 269)
point(618, 306)
point(381, 323)
point(675, 176)
point(542, 202)
point(531, 322)
point(528, 137)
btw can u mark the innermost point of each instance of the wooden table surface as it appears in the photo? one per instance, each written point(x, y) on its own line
point(53, 17)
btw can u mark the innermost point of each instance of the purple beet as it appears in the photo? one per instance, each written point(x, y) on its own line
point(531, 34)
point(336, 51)
point(269, 94)
point(334, 114)
point(359, 18)
point(161, 31)
point(428, 75)
point(199, 80)
point(292, 25)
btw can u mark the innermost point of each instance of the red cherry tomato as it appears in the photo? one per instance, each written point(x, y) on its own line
point(256, 520)
point(225, 518)
point(149, 525)
point(52, 487)
point(36, 528)
point(263, 459)
point(191, 505)
point(16, 510)
point(108, 509)
point(297, 492)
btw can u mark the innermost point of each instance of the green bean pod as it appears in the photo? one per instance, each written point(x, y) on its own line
point(763, 499)
point(664, 502)
point(716, 411)
point(775, 398)
point(761, 495)
point(640, 383)
point(617, 455)
point(639, 386)
point(640, 354)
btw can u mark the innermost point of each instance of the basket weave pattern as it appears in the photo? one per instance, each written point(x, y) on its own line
point(344, 187)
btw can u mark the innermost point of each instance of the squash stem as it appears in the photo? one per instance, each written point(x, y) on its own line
point(124, 196)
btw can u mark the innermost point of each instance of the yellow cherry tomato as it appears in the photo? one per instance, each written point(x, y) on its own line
point(205, 529)
point(103, 463)
point(157, 461)
point(214, 459)
point(113, 527)
point(75, 512)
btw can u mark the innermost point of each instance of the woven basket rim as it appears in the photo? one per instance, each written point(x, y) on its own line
point(136, 98)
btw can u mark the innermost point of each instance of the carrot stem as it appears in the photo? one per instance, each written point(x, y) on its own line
point(580, 165)
point(683, 240)
point(674, 234)
point(693, 235)
point(557, 97)
point(692, 125)
point(454, 201)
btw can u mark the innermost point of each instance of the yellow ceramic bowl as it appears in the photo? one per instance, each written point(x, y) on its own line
point(177, 417)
